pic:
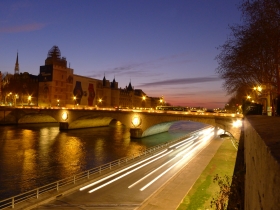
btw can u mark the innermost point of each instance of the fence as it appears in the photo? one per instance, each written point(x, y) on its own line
point(71, 181)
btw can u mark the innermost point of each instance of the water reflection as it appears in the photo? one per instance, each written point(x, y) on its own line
point(35, 155)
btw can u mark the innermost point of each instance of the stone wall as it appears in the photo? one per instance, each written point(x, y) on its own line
point(262, 155)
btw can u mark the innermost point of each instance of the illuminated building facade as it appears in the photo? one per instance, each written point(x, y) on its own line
point(59, 86)
point(19, 89)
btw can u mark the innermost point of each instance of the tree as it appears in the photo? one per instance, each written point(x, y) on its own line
point(220, 202)
point(250, 56)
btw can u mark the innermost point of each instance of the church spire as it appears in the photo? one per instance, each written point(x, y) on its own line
point(104, 80)
point(130, 88)
point(17, 66)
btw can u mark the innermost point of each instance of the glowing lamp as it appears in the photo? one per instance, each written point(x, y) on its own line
point(136, 121)
point(64, 116)
point(237, 123)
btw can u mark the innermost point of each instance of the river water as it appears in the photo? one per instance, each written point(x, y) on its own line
point(34, 155)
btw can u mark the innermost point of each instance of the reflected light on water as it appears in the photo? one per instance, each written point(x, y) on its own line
point(47, 137)
point(28, 158)
point(98, 150)
point(71, 155)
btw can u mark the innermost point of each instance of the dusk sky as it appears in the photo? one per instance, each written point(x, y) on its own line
point(164, 47)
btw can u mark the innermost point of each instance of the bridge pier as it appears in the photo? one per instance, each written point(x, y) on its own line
point(63, 125)
point(136, 133)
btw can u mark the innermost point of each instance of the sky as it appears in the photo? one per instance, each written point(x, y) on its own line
point(164, 47)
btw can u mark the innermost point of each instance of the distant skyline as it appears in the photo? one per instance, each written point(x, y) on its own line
point(166, 48)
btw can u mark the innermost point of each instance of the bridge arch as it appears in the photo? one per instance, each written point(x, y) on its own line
point(91, 121)
point(36, 118)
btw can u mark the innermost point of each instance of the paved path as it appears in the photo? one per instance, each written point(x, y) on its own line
point(173, 192)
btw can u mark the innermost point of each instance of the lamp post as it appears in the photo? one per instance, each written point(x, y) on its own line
point(74, 99)
point(100, 101)
point(29, 100)
point(144, 101)
point(7, 95)
point(15, 98)
point(161, 101)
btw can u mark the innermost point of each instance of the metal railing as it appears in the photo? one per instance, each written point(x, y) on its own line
point(71, 181)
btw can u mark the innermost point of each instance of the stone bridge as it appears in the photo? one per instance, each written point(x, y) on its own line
point(140, 123)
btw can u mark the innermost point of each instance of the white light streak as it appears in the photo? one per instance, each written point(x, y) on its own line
point(155, 179)
point(129, 172)
point(185, 144)
point(151, 173)
point(160, 166)
point(125, 169)
point(181, 142)
point(188, 154)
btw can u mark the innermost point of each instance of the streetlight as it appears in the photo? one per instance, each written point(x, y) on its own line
point(144, 100)
point(7, 95)
point(100, 101)
point(74, 98)
point(16, 96)
point(161, 101)
point(259, 88)
point(29, 100)
point(57, 102)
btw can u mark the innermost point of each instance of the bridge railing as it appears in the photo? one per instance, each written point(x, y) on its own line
point(133, 110)
point(71, 181)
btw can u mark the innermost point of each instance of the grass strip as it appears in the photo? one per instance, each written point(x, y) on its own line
point(202, 192)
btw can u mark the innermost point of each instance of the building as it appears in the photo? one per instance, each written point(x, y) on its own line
point(19, 89)
point(58, 86)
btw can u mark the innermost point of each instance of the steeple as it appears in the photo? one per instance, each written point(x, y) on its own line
point(130, 88)
point(104, 80)
point(113, 84)
point(17, 66)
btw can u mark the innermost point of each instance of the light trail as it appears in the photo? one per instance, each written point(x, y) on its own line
point(181, 142)
point(141, 166)
point(125, 169)
point(163, 173)
point(189, 142)
point(129, 172)
point(160, 166)
point(155, 179)
point(151, 173)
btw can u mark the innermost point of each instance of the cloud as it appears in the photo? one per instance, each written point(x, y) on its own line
point(145, 69)
point(22, 28)
point(181, 81)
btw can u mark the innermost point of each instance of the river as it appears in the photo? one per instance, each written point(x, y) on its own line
point(34, 155)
